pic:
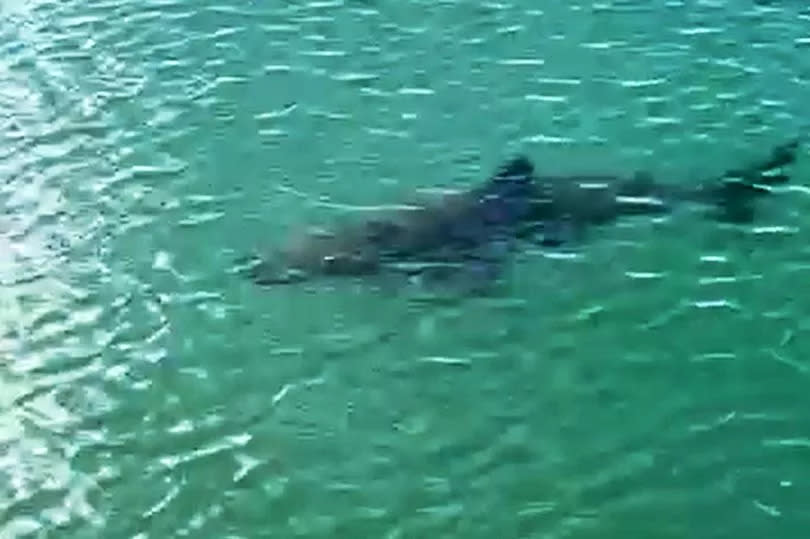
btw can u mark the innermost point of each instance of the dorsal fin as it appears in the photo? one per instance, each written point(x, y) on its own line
point(518, 168)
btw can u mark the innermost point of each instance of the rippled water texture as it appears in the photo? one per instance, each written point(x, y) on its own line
point(655, 384)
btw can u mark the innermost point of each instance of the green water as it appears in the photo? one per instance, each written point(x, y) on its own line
point(657, 385)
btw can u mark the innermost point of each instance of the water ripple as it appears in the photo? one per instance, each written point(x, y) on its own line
point(145, 392)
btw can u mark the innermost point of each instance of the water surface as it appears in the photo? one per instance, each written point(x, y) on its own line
point(653, 385)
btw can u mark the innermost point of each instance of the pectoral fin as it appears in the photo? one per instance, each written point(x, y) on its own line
point(469, 272)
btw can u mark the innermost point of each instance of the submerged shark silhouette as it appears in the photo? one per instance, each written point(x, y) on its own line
point(471, 233)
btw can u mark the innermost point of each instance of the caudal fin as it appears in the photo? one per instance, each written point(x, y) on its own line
point(735, 193)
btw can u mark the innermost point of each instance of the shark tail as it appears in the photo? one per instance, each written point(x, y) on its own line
point(735, 193)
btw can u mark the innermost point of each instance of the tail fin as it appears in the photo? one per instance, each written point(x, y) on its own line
point(737, 190)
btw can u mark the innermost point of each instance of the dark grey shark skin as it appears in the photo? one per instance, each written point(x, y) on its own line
point(471, 233)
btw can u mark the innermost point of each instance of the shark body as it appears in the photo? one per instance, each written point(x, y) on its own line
point(473, 231)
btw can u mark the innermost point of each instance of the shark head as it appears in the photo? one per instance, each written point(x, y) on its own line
point(268, 272)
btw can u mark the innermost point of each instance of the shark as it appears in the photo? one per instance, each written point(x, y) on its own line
point(470, 234)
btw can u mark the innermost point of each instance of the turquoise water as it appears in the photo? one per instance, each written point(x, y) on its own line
point(655, 384)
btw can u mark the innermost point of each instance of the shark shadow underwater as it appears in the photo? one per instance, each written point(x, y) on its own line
point(468, 236)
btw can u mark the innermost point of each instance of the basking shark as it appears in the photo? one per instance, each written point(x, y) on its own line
point(470, 234)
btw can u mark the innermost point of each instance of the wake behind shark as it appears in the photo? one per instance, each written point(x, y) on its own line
point(468, 235)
